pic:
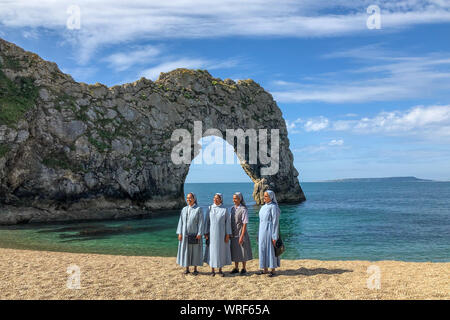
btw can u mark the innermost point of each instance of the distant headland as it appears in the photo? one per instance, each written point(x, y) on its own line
point(386, 179)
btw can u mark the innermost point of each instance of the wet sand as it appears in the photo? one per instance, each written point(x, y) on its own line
point(26, 274)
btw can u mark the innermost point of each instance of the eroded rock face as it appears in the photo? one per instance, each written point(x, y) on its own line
point(69, 150)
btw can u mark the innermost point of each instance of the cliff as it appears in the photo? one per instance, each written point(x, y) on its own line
point(70, 150)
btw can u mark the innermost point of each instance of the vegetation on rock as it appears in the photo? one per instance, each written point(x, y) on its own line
point(16, 98)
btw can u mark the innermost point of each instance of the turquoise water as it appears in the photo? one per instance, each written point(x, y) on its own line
point(407, 221)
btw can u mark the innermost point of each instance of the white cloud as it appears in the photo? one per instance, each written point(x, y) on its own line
point(420, 119)
point(30, 34)
point(316, 124)
point(291, 126)
point(335, 142)
point(388, 77)
point(331, 146)
point(284, 83)
point(153, 72)
point(160, 61)
point(311, 124)
point(124, 60)
point(106, 22)
point(427, 121)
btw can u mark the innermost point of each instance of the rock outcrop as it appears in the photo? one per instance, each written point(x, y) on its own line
point(70, 150)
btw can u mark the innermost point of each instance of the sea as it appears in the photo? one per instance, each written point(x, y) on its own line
point(383, 220)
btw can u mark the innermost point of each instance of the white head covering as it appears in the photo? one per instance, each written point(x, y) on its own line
point(272, 196)
point(193, 195)
point(220, 195)
point(241, 197)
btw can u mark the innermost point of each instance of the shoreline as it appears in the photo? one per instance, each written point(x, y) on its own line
point(205, 265)
point(32, 274)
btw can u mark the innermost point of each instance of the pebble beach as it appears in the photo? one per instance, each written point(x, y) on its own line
point(26, 274)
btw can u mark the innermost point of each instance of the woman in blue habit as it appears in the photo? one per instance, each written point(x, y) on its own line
point(218, 232)
point(269, 219)
point(190, 231)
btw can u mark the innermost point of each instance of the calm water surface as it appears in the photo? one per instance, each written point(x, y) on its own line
point(407, 221)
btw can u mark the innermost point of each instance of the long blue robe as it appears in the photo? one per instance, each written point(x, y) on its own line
point(239, 217)
point(217, 225)
point(269, 219)
point(191, 222)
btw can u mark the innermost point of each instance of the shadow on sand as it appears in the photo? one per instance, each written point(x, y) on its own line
point(311, 272)
point(304, 272)
point(301, 271)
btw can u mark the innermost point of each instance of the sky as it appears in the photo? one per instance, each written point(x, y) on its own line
point(363, 94)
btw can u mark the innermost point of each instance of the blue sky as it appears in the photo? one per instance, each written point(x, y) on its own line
point(358, 102)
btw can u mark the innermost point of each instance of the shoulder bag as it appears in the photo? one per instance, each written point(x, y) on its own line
point(192, 238)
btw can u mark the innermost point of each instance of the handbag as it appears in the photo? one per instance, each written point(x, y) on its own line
point(279, 244)
point(279, 247)
point(192, 238)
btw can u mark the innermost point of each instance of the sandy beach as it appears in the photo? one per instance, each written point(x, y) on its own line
point(26, 274)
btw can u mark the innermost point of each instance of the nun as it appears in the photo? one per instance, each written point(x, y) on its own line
point(269, 220)
point(217, 234)
point(241, 250)
point(190, 231)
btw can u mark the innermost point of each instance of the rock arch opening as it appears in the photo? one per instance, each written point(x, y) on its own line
point(217, 162)
point(256, 151)
point(217, 169)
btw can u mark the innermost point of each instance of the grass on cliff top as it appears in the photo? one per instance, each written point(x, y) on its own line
point(16, 98)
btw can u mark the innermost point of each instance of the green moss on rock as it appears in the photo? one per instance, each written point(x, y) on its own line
point(60, 160)
point(16, 98)
point(4, 149)
point(101, 146)
point(10, 63)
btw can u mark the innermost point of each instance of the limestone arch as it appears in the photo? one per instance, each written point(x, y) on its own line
point(100, 151)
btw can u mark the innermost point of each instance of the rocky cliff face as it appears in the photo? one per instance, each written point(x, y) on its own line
point(69, 150)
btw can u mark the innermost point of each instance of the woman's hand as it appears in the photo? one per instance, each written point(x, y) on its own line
point(199, 237)
point(180, 237)
point(227, 237)
point(206, 236)
point(274, 242)
point(241, 240)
